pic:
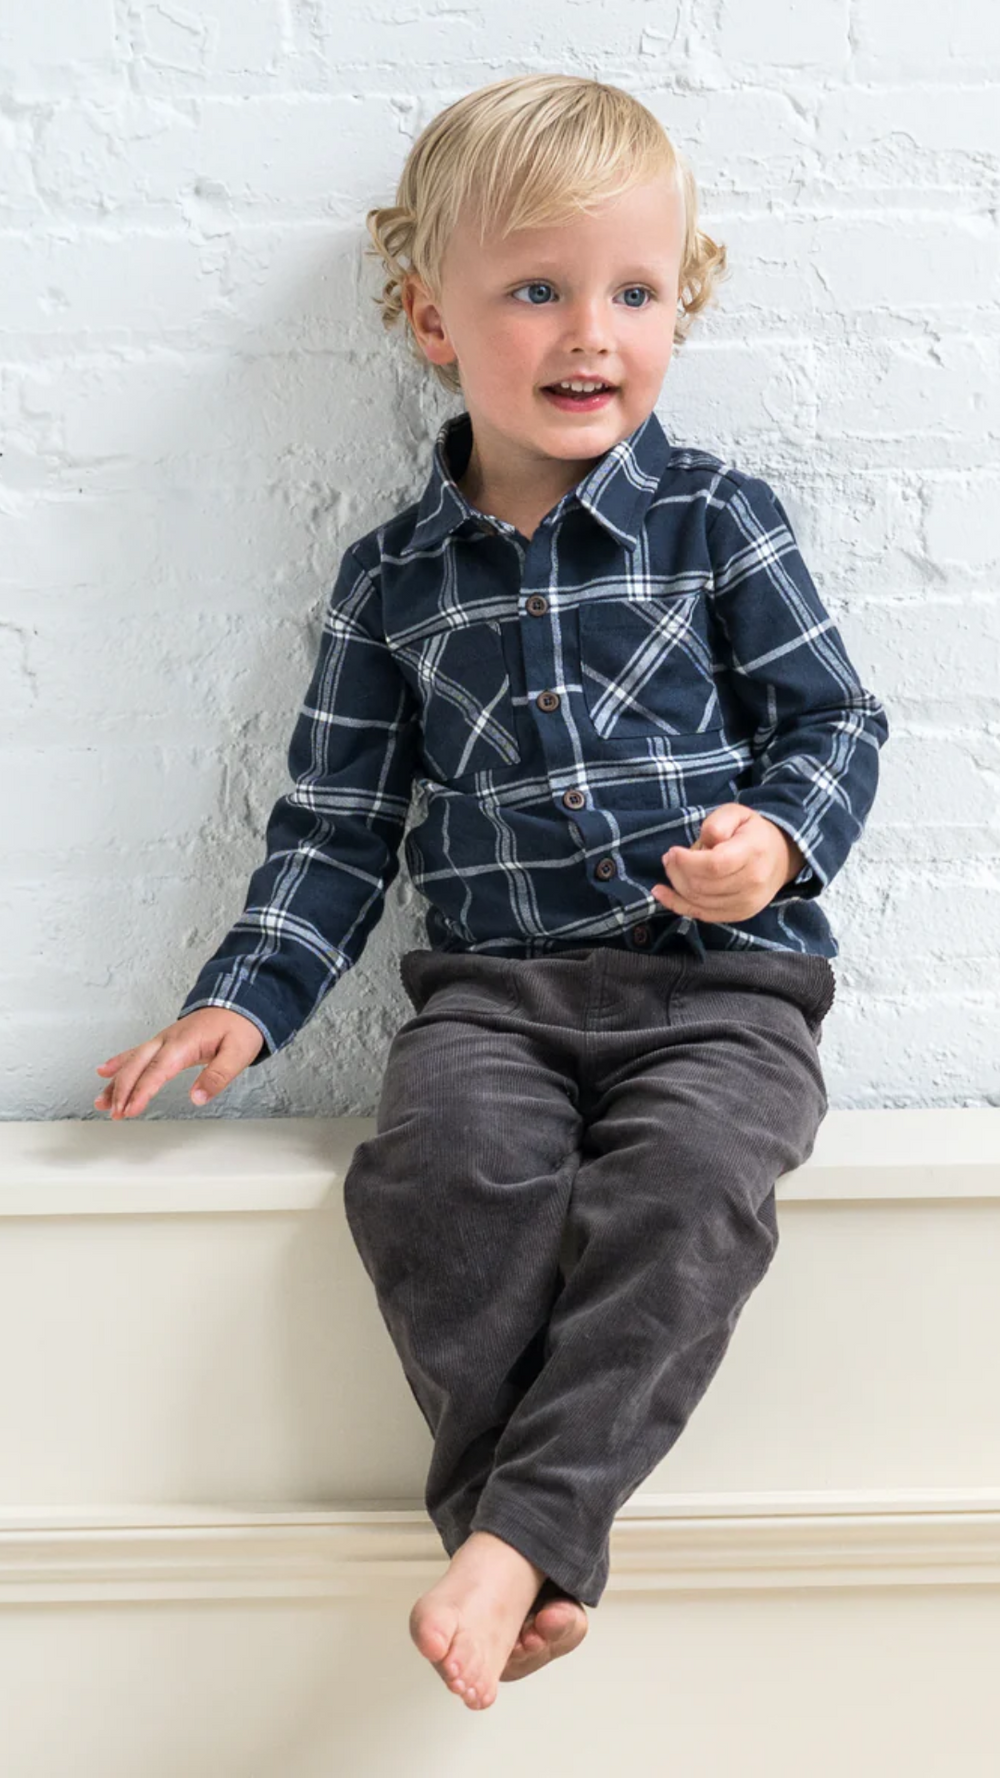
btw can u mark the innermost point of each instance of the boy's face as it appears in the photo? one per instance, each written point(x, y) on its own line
point(595, 297)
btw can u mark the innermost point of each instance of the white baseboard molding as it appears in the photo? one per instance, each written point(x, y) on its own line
point(660, 1543)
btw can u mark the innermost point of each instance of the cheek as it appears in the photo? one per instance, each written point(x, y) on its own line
point(510, 339)
point(507, 357)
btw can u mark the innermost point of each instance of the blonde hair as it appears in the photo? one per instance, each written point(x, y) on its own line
point(523, 152)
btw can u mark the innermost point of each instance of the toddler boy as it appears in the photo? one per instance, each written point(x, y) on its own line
point(640, 753)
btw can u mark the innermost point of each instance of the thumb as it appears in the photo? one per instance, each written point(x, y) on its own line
point(217, 1076)
point(722, 823)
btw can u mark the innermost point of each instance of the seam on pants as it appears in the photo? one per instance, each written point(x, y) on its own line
point(678, 981)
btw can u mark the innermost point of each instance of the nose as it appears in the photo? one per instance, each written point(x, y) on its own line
point(591, 324)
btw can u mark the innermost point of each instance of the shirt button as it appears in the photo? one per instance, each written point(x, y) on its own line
point(573, 799)
point(640, 935)
point(605, 868)
point(548, 700)
point(537, 605)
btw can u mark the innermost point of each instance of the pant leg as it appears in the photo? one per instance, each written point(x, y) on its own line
point(457, 1206)
point(701, 1090)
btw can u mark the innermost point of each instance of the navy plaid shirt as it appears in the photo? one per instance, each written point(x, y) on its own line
point(565, 708)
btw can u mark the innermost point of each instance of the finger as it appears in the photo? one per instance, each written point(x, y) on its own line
point(691, 910)
point(721, 907)
point(112, 1061)
point(718, 862)
point(174, 1055)
point(699, 888)
point(697, 877)
point(719, 900)
point(669, 899)
point(152, 1078)
point(130, 1071)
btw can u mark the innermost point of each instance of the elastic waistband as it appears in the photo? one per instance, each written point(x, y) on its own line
point(802, 976)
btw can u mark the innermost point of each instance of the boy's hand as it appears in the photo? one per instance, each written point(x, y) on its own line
point(737, 864)
point(212, 1034)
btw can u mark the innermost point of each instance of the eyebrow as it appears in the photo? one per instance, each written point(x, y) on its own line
point(544, 268)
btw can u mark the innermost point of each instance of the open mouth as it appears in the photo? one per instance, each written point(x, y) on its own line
point(583, 400)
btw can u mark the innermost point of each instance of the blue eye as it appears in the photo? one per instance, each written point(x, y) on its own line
point(537, 285)
point(543, 284)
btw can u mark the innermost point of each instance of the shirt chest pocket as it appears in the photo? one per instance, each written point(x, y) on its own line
point(646, 665)
point(467, 716)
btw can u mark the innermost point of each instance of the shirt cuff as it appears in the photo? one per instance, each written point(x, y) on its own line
point(809, 880)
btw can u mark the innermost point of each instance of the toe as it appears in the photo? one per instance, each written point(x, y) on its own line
point(463, 1658)
point(561, 1621)
point(558, 1628)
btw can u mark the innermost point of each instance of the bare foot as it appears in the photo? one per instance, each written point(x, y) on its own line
point(556, 1628)
point(467, 1624)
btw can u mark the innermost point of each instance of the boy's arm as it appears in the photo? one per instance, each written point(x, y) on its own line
point(333, 839)
point(818, 731)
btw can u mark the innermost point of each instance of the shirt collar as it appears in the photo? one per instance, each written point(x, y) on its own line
point(616, 491)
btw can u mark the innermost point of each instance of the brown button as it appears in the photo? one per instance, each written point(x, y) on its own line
point(605, 868)
point(548, 700)
point(573, 799)
point(536, 605)
point(640, 935)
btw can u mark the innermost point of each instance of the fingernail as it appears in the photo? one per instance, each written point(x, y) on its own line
point(198, 1096)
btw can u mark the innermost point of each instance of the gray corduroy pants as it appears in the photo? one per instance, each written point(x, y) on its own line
point(566, 1204)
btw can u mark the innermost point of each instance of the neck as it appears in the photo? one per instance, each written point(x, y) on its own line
point(511, 496)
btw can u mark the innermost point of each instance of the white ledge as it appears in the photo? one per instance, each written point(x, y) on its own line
point(659, 1543)
point(93, 1167)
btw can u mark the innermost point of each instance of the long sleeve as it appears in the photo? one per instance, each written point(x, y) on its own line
point(333, 839)
point(817, 732)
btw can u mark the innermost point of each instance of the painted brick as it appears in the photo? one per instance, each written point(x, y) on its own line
point(200, 409)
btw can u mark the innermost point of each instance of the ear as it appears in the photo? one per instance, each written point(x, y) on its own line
point(426, 321)
point(408, 292)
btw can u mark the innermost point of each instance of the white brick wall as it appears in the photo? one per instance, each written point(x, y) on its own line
point(199, 412)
